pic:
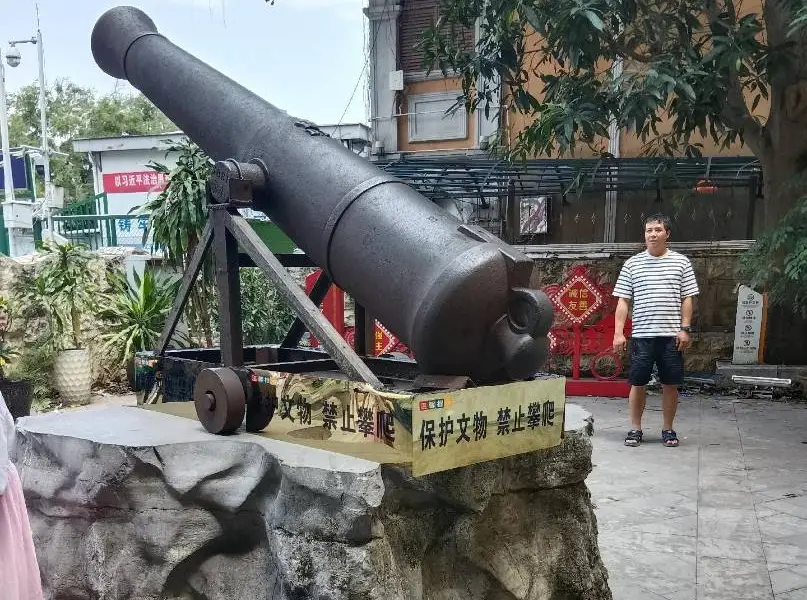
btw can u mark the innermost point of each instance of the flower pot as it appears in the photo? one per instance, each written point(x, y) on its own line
point(72, 375)
point(18, 396)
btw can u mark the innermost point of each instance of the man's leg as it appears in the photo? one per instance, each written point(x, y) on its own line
point(671, 373)
point(639, 372)
point(669, 404)
point(637, 399)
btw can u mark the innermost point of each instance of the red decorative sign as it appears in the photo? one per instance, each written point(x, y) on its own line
point(384, 340)
point(134, 182)
point(704, 186)
point(576, 301)
point(579, 297)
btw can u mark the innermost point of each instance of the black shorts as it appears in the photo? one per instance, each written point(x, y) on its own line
point(645, 352)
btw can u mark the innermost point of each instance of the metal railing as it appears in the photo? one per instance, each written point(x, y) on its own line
point(576, 201)
point(98, 231)
point(94, 205)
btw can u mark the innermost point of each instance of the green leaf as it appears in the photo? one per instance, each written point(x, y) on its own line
point(688, 90)
point(688, 58)
point(594, 20)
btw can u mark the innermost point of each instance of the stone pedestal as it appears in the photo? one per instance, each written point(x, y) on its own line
point(128, 503)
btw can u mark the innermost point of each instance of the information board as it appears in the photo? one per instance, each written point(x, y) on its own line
point(748, 327)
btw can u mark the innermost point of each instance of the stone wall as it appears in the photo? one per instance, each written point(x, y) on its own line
point(715, 269)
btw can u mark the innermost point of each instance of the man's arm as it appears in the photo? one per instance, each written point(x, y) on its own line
point(689, 289)
point(624, 291)
point(622, 310)
point(686, 311)
point(683, 340)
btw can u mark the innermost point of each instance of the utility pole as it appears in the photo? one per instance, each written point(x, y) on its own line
point(44, 123)
point(8, 175)
point(37, 40)
point(8, 179)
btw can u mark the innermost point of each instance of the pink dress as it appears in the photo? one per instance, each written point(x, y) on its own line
point(19, 570)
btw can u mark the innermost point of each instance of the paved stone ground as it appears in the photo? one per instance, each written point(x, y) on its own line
point(723, 516)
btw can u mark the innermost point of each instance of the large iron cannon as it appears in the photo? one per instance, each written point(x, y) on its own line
point(456, 295)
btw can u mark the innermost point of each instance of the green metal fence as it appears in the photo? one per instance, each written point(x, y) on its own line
point(98, 231)
point(94, 205)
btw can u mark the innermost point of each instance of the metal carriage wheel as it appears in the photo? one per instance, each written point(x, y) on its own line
point(220, 400)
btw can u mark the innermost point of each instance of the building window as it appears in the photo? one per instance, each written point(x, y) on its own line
point(428, 121)
point(417, 16)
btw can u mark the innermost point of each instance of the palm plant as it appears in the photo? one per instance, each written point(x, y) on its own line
point(6, 351)
point(135, 314)
point(177, 217)
point(6, 354)
point(36, 360)
point(67, 287)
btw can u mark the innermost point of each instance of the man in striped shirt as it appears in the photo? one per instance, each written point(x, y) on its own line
point(660, 283)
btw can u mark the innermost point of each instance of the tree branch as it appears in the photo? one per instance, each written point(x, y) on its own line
point(735, 111)
point(736, 114)
point(775, 14)
point(618, 46)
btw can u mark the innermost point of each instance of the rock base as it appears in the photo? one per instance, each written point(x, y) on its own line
point(128, 503)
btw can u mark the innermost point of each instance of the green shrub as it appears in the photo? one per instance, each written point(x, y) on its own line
point(777, 263)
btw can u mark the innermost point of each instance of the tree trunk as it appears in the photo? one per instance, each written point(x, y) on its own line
point(75, 322)
point(197, 310)
point(781, 183)
point(782, 142)
point(204, 312)
point(784, 163)
point(785, 344)
point(783, 160)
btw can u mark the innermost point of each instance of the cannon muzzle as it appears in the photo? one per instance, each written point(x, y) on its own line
point(457, 296)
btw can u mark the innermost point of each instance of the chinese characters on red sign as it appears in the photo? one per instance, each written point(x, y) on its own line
point(384, 340)
point(579, 297)
point(135, 182)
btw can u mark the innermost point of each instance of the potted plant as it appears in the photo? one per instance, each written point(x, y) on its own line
point(17, 393)
point(69, 287)
point(134, 315)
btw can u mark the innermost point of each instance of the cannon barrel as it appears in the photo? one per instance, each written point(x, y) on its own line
point(457, 296)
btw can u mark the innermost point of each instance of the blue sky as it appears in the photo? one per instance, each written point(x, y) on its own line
point(304, 56)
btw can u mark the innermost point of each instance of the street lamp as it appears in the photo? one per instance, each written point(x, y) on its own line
point(13, 58)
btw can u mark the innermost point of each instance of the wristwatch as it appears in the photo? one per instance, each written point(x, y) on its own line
point(686, 328)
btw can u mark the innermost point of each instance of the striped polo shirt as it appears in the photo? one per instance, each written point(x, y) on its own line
point(656, 285)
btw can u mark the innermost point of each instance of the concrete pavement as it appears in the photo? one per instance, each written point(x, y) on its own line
point(723, 516)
